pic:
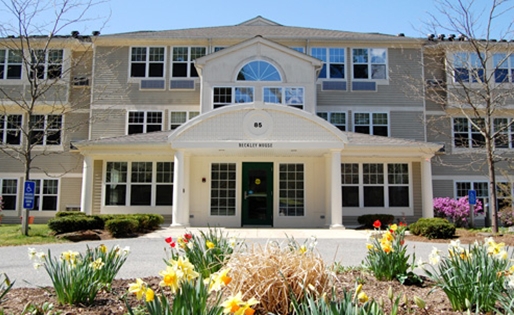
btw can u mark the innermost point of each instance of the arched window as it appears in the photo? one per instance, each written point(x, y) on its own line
point(258, 71)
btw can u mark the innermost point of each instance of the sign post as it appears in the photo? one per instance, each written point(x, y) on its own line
point(29, 190)
point(472, 199)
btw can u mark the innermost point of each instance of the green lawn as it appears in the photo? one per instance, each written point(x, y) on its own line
point(10, 235)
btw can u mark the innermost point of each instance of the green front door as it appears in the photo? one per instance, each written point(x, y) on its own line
point(257, 194)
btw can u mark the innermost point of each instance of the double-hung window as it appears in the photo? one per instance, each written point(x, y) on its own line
point(466, 133)
point(467, 67)
point(182, 61)
point(10, 64)
point(369, 63)
point(482, 190)
point(333, 62)
point(45, 196)
point(375, 185)
point(144, 121)
point(337, 119)
point(45, 129)
point(504, 132)
point(290, 96)
point(46, 64)
point(147, 62)
point(230, 95)
point(178, 118)
point(8, 192)
point(371, 123)
point(503, 68)
point(139, 184)
point(10, 126)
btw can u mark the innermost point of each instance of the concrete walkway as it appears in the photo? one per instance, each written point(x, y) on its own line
point(347, 247)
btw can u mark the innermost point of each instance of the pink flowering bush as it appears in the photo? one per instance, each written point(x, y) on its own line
point(455, 210)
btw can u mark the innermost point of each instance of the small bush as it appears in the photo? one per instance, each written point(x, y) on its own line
point(121, 227)
point(149, 222)
point(368, 219)
point(433, 228)
point(506, 216)
point(74, 223)
point(62, 214)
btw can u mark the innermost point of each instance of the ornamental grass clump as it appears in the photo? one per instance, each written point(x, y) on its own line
point(78, 278)
point(273, 274)
point(387, 256)
point(208, 251)
point(472, 278)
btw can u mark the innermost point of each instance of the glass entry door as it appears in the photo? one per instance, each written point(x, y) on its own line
point(257, 194)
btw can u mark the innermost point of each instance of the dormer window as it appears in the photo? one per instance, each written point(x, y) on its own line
point(258, 71)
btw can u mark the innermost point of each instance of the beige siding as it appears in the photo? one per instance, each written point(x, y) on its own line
point(112, 87)
point(108, 123)
point(97, 187)
point(407, 125)
point(70, 193)
point(442, 188)
point(396, 93)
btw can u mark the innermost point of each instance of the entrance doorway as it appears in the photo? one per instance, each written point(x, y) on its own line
point(257, 193)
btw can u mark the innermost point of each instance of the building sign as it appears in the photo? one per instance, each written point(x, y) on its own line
point(265, 145)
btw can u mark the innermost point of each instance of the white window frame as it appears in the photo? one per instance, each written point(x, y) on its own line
point(5, 130)
point(502, 61)
point(46, 64)
point(48, 130)
point(470, 132)
point(284, 90)
point(385, 184)
point(233, 90)
point(188, 115)
point(6, 62)
point(145, 124)
point(229, 190)
point(328, 58)
point(129, 183)
point(369, 63)
point(4, 192)
point(40, 194)
point(372, 124)
point(329, 116)
point(147, 62)
point(285, 210)
point(189, 61)
point(469, 62)
point(506, 131)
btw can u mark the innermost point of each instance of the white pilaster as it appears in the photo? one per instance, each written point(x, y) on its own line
point(426, 188)
point(336, 204)
point(180, 210)
point(86, 196)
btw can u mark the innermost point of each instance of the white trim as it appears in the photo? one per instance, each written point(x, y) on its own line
point(147, 65)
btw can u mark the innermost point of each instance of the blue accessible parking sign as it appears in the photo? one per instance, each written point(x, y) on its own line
point(472, 197)
point(28, 195)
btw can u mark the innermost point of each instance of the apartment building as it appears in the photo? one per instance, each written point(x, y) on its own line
point(256, 124)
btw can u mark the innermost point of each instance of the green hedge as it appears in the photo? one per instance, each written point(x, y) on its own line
point(121, 227)
point(76, 221)
point(368, 219)
point(433, 228)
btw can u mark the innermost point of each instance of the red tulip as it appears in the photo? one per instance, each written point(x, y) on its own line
point(168, 240)
point(377, 224)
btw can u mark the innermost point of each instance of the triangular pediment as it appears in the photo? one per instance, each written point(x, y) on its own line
point(259, 21)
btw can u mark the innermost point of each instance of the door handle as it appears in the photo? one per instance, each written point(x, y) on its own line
point(245, 195)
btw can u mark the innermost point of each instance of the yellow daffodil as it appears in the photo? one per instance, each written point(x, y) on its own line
point(187, 268)
point(97, 264)
point(362, 297)
point(219, 280)
point(393, 228)
point(370, 246)
point(302, 249)
point(102, 248)
point(209, 244)
point(149, 295)
point(138, 288)
point(232, 304)
point(69, 256)
point(386, 247)
point(171, 277)
point(246, 307)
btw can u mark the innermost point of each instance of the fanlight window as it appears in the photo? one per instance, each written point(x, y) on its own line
point(258, 71)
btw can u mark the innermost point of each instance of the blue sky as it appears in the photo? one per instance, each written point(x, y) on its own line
point(383, 16)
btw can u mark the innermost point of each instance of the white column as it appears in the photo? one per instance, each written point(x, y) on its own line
point(426, 188)
point(336, 204)
point(86, 195)
point(180, 210)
